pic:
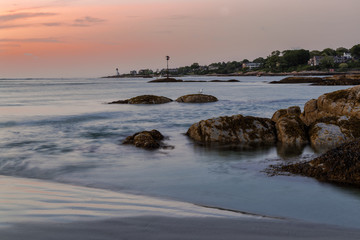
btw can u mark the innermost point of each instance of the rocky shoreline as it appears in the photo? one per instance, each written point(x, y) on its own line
point(326, 123)
point(353, 79)
point(171, 80)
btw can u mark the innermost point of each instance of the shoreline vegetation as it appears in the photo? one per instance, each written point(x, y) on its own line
point(288, 62)
point(246, 74)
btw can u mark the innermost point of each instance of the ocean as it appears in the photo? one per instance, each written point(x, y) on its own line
point(63, 131)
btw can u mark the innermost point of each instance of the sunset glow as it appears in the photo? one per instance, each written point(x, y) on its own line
point(65, 38)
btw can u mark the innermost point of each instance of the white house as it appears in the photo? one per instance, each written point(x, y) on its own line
point(251, 65)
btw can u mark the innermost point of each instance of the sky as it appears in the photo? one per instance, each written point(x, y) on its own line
point(91, 38)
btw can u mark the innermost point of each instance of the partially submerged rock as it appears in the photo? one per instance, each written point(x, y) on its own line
point(339, 103)
point(330, 132)
point(160, 80)
point(289, 127)
point(197, 98)
point(144, 99)
point(339, 165)
point(234, 129)
point(350, 79)
point(292, 80)
point(146, 139)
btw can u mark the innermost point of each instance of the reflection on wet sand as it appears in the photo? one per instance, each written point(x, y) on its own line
point(27, 200)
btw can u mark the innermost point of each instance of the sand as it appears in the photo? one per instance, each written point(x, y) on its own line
point(34, 209)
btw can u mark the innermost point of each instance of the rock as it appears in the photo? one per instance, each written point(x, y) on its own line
point(144, 99)
point(289, 127)
point(340, 80)
point(231, 80)
point(197, 98)
point(339, 165)
point(291, 80)
point(234, 129)
point(146, 139)
point(291, 130)
point(160, 80)
point(331, 132)
point(339, 103)
point(294, 110)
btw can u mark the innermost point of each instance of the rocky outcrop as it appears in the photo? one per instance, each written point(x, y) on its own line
point(350, 79)
point(339, 165)
point(331, 132)
point(146, 139)
point(292, 80)
point(172, 80)
point(164, 80)
point(197, 98)
point(144, 99)
point(289, 127)
point(236, 129)
point(339, 103)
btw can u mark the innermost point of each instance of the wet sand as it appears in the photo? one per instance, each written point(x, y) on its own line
point(34, 209)
point(148, 227)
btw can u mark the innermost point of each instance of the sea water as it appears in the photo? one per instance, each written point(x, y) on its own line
point(63, 130)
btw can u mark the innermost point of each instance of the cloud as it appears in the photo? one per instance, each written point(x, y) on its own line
point(53, 24)
point(10, 45)
point(87, 21)
point(30, 40)
point(17, 16)
point(13, 26)
point(31, 55)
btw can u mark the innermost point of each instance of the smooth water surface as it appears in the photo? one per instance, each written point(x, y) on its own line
point(62, 130)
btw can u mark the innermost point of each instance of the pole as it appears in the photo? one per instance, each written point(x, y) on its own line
point(167, 66)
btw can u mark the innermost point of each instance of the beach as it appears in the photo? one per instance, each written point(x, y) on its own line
point(65, 173)
point(45, 210)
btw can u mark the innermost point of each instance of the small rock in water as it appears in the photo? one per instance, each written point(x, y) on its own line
point(147, 140)
point(197, 98)
point(144, 99)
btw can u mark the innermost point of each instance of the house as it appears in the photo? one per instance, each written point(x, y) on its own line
point(251, 65)
point(347, 56)
point(213, 68)
point(133, 72)
point(315, 61)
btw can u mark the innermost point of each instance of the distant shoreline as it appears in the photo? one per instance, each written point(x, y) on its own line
point(247, 74)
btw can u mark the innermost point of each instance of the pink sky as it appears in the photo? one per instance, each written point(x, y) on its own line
point(91, 38)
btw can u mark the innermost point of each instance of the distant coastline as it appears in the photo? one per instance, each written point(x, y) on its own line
point(247, 74)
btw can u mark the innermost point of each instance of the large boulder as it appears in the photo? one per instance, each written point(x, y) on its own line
point(289, 127)
point(331, 132)
point(339, 165)
point(197, 98)
point(236, 129)
point(144, 99)
point(339, 103)
point(146, 139)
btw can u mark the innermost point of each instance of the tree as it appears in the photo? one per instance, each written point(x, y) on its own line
point(294, 58)
point(315, 53)
point(195, 66)
point(327, 62)
point(259, 60)
point(328, 52)
point(343, 66)
point(341, 50)
point(273, 60)
point(355, 51)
